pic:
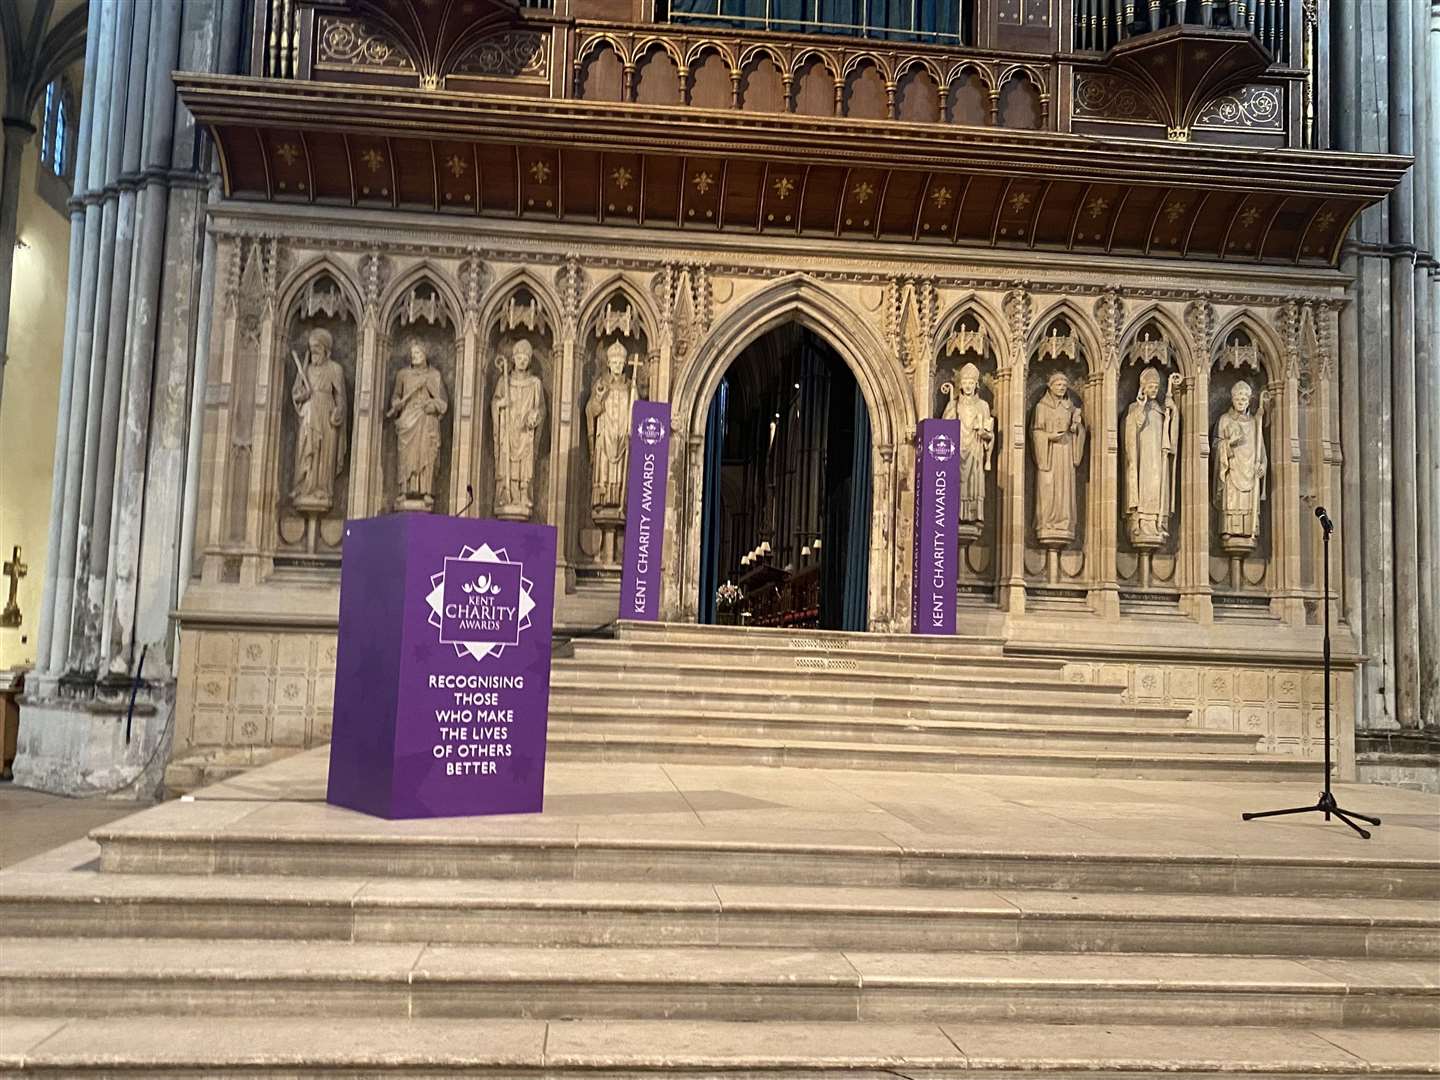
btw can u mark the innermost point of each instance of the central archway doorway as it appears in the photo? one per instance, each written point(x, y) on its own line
point(787, 487)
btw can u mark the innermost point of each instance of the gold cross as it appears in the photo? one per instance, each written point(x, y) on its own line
point(14, 570)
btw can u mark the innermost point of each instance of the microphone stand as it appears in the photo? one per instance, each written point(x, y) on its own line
point(1326, 804)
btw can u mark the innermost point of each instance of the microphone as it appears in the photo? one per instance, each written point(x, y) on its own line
point(469, 498)
point(1325, 522)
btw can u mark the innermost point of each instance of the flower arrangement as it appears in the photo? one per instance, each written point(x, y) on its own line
point(727, 596)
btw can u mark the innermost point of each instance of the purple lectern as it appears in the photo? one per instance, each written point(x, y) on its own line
point(442, 679)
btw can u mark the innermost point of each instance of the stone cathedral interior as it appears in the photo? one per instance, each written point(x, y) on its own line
point(269, 266)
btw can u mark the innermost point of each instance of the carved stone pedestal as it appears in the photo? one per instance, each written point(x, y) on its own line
point(610, 521)
point(1238, 548)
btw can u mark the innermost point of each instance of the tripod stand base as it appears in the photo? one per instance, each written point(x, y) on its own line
point(1325, 805)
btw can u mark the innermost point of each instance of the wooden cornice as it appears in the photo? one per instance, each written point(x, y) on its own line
point(546, 158)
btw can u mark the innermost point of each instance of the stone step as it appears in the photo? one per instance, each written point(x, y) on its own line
point(676, 694)
point(898, 731)
point(569, 913)
point(1017, 759)
point(148, 977)
point(310, 839)
point(175, 1046)
point(704, 671)
point(782, 657)
point(828, 640)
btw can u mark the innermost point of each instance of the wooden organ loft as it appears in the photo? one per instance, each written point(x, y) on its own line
point(1158, 128)
point(1228, 71)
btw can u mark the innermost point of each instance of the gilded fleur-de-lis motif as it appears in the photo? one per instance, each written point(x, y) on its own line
point(1325, 220)
point(1097, 206)
point(703, 182)
point(940, 197)
point(1019, 201)
point(1174, 210)
point(373, 159)
point(1249, 217)
point(287, 152)
point(540, 170)
point(457, 166)
point(862, 192)
point(782, 187)
point(622, 177)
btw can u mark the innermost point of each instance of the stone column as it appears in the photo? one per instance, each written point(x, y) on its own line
point(121, 346)
point(1011, 530)
point(372, 353)
point(1102, 454)
point(18, 130)
point(68, 364)
point(1359, 121)
point(58, 605)
point(98, 470)
point(1284, 436)
point(1194, 496)
point(1402, 373)
point(130, 339)
point(1427, 355)
point(155, 159)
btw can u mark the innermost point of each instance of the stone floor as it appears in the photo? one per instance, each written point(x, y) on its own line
point(1062, 814)
point(730, 921)
point(32, 822)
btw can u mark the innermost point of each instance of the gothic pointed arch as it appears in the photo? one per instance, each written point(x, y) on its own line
point(976, 307)
point(293, 287)
point(1081, 327)
point(1176, 335)
point(800, 298)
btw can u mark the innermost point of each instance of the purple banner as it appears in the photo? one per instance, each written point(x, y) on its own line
point(442, 676)
point(645, 510)
point(937, 518)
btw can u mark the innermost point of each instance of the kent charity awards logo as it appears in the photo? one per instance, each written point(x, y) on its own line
point(650, 430)
point(480, 602)
point(941, 448)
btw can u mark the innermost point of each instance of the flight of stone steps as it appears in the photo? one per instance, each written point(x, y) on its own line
point(294, 939)
point(820, 699)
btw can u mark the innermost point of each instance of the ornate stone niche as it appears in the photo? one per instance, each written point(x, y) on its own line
point(1057, 468)
point(314, 381)
point(1149, 421)
point(614, 350)
point(417, 407)
point(515, 460)
point(1242, 483)
point(966, 390)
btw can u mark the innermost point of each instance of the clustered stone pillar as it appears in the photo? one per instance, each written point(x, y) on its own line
point(120, 454)
point(1389, 369)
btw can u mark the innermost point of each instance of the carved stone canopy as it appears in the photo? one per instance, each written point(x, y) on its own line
point(434, 34)
point(1183, 68)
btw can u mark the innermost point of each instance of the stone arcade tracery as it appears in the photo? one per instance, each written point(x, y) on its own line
point(1142, 399)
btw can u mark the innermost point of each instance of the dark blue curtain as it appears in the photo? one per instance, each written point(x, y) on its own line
point(710, 515)
point(857, 561)
point(908, 20)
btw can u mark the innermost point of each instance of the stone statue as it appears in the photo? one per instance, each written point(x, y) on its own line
point(1151, 433)
point(977, 445)
point(1057, 432)
point(416, 405)
point(607, 417)
point(1240, 464)
point(323, 434)
point(518, 412)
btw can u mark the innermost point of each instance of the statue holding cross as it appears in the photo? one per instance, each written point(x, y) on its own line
point(14, 570)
